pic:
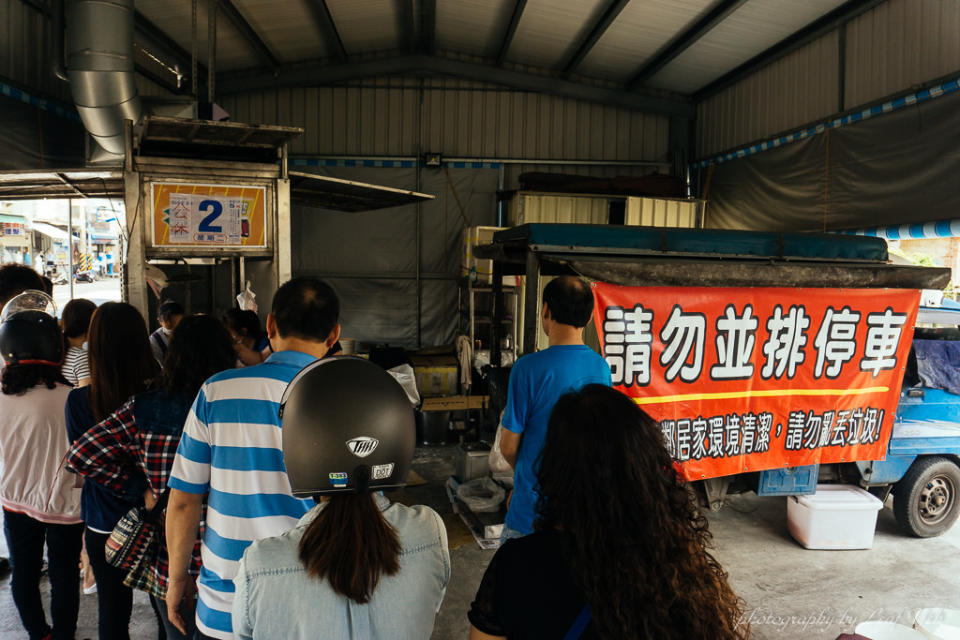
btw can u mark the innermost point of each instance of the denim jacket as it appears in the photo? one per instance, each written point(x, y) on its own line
point(275, 598)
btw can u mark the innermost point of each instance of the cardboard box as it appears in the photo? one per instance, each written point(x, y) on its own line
point(436, 375)
point(480, 271)
point(473, 236)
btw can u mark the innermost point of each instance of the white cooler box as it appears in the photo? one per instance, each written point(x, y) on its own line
point(837, 516)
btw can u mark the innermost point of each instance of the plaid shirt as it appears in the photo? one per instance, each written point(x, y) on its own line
point(118, 455)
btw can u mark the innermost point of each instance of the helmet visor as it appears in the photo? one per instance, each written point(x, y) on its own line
point(31, 300)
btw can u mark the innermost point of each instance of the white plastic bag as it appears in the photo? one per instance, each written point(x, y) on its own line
point(498, 464)
point(482, 495)
point(405, 376)
point(247, 300)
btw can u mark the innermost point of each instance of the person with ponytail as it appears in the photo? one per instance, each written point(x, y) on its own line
point(355, 566)
point(620, 550)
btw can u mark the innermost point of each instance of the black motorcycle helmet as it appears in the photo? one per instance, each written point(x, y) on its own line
point(347, 427)
point(29, 333)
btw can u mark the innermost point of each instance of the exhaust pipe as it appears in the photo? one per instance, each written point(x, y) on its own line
point(101, 70)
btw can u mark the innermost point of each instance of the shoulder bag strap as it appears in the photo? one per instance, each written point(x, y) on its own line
point(580, 624)
point(158, 508)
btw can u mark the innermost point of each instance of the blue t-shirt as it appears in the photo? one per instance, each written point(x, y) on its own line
point(536, 383)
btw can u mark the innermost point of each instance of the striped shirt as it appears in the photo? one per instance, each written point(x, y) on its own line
point(231, 449)
point(75, 366)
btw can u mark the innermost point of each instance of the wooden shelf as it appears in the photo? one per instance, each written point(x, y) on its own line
point(455, 403)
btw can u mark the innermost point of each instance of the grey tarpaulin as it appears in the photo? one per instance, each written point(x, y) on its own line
point(370, 258)
point(938, 364)
point(36, 139)
point(894, 168)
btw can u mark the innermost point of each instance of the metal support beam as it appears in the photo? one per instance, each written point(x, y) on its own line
point(39, 5)
point(714, 16)
point(406, 25)
point(531, 304)
point(842, 67)
point(679, 144)
point(153, 39)
point(212, 11)
point(156, 73)
point(816, 29)
point(328, 74)
point(614, 7)
point(511, 30)
point(428, 26)
point(249, 34)
point(328, 29)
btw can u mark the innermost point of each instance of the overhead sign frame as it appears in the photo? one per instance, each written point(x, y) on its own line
point(194, 216)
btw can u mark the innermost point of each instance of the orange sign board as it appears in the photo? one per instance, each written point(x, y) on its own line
point(747, 379)
point(209, 216)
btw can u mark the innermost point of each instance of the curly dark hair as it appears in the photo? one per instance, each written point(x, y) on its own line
point(20, 378)
point(199, 347)
point(637, 544)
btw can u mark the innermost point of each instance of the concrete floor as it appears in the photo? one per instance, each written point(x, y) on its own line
point(791, 593)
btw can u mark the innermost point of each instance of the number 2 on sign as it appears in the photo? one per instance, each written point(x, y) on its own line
point(205, 225)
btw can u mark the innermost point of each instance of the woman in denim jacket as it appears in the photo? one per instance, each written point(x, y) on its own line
point(356, 566)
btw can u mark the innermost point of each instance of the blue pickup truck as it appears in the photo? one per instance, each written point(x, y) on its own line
point(923, 458)
point(922, 466)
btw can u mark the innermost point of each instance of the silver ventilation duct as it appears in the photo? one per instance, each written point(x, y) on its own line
point(100, 67)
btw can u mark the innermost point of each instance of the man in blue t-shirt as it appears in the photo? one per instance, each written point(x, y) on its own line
point(536, 383)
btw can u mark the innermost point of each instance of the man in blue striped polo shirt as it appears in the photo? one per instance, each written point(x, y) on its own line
point(231, 451)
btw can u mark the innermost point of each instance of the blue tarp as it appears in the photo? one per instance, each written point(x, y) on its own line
point(700, 241)
point(938, 364)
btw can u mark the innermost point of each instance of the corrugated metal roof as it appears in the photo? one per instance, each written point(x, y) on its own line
point(549, 30)
point(473, 26)
point(752, 28)
point(366, 25)
point(287, 28)
point(26, 55)
point(900, 44)
point(794, 90)
point(640, 30)
point(463, 119)
point(62, 183)
point(173, 18)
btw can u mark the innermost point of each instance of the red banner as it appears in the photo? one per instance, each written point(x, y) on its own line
point(747, 379)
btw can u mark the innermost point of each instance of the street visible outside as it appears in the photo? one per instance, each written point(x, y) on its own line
point(99, 292)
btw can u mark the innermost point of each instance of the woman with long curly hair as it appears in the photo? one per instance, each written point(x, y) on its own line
point(620, 549)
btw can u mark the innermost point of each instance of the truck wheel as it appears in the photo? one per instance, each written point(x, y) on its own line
point(926, 501)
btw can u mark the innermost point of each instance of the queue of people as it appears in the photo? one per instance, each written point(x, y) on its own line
point(261, 536)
